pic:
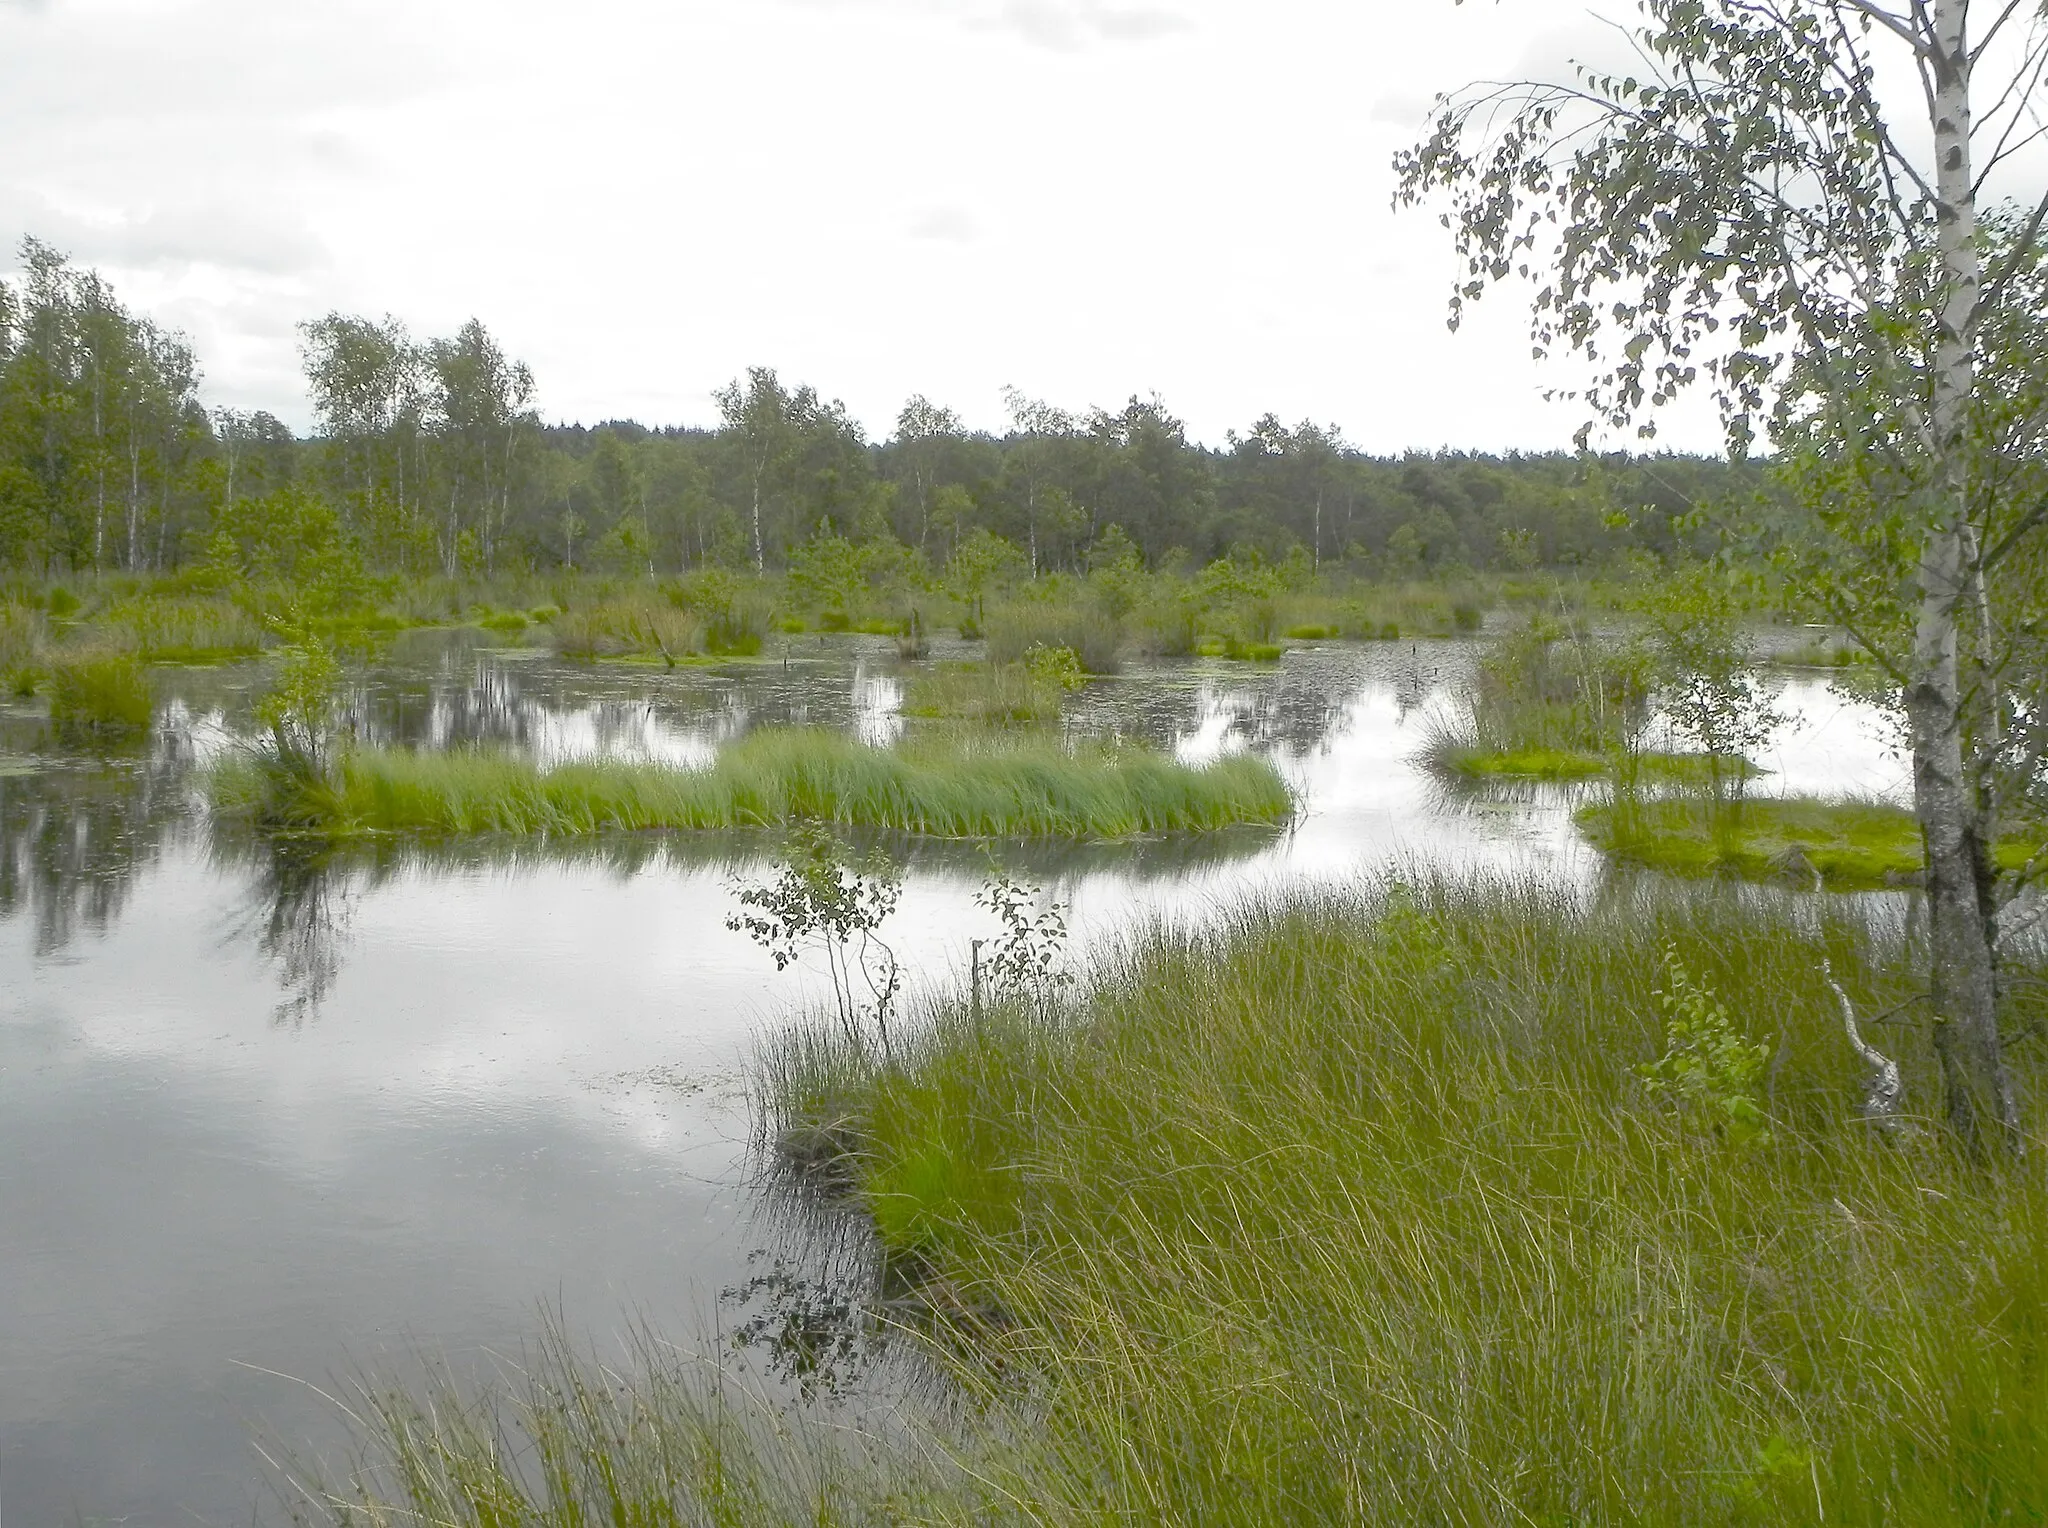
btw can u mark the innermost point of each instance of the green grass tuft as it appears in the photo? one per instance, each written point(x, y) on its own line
point(99, 697)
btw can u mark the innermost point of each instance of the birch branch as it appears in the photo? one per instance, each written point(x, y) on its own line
point(1883, 1092)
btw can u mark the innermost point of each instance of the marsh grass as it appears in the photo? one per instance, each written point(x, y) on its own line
point(1090, 634)
point(648, 627)
point(987, 694)
point(23, 633)
point(181, 629)
point(99, 697)
point(1547, 703)
point(1855, 845)
point(1359, 1209)
point(773, 778)
point(1446, 751)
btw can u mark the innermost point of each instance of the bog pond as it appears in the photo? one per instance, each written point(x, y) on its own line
point(270, 1118)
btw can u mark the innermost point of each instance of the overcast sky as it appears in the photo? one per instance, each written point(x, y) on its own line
point(1087, 198)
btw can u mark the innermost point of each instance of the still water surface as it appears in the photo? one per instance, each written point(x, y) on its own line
point(266, 1121)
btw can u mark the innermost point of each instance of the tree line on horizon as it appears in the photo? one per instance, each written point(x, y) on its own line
point(436, 461)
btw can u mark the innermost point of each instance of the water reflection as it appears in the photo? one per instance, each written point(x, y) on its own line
point(75, 834)
point(300, 900)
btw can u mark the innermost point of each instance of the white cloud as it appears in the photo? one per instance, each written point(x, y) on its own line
point(1090, 198)
point(946, 225)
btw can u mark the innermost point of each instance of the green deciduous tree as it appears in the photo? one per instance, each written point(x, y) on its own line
point(1746, 210)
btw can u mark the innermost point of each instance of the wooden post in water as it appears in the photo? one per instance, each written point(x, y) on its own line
point(974, 980)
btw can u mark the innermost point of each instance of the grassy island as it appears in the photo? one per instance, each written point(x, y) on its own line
point(769, 779)
point(1853, 845)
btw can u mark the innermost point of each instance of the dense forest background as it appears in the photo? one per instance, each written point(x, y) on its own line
point(435, 460)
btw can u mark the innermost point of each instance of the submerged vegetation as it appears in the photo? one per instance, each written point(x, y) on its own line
point(768, 779)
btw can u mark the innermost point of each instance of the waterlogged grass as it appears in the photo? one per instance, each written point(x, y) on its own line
point(1239, 650)
point(771, 779)
point(1358, 1210)
point(1854, 845)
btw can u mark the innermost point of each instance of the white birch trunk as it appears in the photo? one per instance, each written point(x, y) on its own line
point(1978, 1091)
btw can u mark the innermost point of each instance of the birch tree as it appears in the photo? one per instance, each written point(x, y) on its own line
point(756, 417)
point(1746, 209)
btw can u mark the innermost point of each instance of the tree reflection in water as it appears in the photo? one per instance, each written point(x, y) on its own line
point(74, 835)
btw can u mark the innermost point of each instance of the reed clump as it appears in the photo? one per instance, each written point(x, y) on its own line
point(24, 632)
point(557, 1438)
point(1546, 702)
point(646, 628)
point(1091, 634)
point(1377, 1207)
point(986, 694)
point(99, 697)
point(181, 629)
point(777, 777)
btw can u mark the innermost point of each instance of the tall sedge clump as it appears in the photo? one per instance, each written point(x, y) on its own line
point(100, 698)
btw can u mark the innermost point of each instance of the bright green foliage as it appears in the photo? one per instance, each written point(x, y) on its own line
point(1701, 664)
point(1707, 1064)
point(775, 778)
point(1056, 668)
point(98, 697)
